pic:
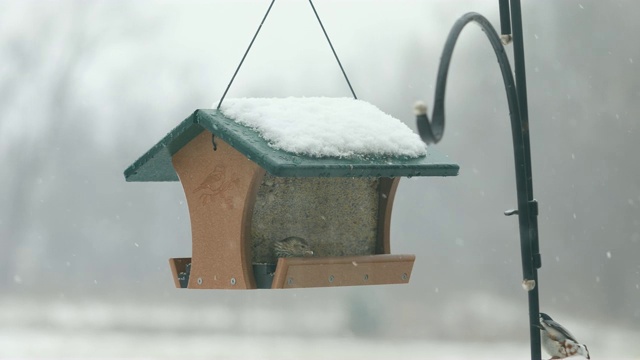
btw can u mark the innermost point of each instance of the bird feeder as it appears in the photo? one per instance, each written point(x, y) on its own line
point(244, 193)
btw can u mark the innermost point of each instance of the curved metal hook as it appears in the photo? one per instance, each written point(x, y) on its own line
point(432, 131)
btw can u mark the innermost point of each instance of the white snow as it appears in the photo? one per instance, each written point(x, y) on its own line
point(110, 327)
point(325, 127)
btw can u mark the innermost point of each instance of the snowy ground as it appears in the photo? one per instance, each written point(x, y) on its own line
point(48, 343)
point(31, 329)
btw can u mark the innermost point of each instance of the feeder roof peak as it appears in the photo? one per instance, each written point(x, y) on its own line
point(299, 137)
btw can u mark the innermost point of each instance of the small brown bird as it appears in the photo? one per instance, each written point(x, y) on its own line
point(292, 246)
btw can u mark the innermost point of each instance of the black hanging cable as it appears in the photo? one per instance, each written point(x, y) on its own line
point(245, 53)
point(332, 49)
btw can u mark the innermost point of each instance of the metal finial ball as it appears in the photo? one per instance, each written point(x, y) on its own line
point(420, 108)
point(528, 285)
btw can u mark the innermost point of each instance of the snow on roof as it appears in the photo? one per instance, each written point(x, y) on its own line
point(325, 127)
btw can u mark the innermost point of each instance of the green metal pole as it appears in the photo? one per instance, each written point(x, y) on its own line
point(521, 89)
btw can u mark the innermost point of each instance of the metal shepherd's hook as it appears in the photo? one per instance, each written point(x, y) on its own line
point(431, 131)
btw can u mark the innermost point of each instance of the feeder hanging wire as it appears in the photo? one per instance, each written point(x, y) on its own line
point(256, 35)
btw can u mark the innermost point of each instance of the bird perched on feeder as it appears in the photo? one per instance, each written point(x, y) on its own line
point(558, 341)
point(292, 246)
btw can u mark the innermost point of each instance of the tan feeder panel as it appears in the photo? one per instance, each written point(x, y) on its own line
point(243, 195)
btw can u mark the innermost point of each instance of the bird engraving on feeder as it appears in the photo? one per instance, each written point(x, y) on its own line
point(216, 185)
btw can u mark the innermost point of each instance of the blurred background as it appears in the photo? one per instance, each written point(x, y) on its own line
point(86, 87)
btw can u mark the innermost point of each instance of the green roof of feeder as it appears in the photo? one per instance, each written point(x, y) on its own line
point(155, 164)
